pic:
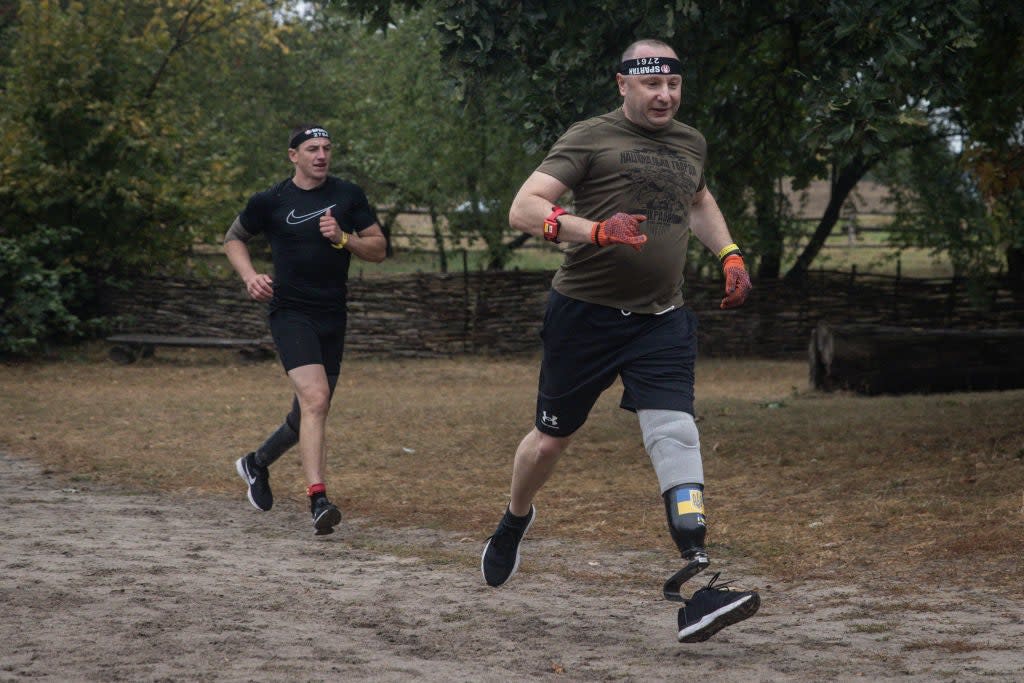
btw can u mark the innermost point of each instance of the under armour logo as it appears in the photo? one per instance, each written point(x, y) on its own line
point(549, 420)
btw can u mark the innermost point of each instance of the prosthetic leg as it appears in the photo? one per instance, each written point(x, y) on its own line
point(672, 441)
point(684, 507)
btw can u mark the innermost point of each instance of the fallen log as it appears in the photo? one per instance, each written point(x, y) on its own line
point(881, 359)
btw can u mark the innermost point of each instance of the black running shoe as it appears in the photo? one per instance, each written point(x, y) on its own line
point(326, 516)
point(712, 608)
point(500, 558)
point(258, 479)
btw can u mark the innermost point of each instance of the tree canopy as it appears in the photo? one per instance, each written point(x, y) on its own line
point(132, 129)
point(109, 156)
point(785, 90)
point(104, 127)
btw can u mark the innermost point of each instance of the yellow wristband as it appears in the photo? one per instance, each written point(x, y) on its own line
point(342, 242)
point(726, 250)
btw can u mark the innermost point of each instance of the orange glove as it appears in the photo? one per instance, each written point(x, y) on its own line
point(622, 228)
point(737, 281)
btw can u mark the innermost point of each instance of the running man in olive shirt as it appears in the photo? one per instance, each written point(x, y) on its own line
point(616, 310)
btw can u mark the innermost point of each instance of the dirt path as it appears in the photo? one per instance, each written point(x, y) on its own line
point(97, 585)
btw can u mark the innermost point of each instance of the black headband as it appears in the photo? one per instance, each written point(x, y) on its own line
point(308, 134)
point(658, 66)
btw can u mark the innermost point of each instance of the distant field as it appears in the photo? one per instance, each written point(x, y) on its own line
point(867, 252)
point(864, 247)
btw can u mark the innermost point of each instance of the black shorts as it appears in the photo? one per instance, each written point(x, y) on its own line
point(586, 346)
point(308, 339)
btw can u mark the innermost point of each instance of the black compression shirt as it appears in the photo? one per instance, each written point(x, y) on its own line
point(309, 274)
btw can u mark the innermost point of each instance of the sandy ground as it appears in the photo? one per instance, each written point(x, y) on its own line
point(102, 586)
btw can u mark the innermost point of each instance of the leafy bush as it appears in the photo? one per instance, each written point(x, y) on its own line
point(41, 291)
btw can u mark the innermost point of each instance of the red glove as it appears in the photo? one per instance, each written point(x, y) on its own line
point(622, 228)
point(737, 281)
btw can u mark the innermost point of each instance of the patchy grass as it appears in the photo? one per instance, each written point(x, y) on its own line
point(803, 484)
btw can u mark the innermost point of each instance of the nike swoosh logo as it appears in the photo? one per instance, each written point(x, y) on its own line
point(252, 480)
point(292, 219)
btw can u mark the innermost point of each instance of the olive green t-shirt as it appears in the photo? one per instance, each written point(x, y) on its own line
point(613, 165)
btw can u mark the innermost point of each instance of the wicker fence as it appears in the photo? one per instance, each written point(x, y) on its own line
point(432, 315)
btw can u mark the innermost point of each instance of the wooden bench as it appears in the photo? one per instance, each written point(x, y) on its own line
point(127, 348)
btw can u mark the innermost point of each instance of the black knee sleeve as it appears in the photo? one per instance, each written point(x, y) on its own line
point(684, 507)
point(283, 438)
point(294, 418)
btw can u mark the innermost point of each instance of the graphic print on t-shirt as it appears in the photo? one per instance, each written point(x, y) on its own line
point(660, 177)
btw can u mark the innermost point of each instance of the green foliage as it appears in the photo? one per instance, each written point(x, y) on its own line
point(782, 89)
point(316, 76)
point(107, 130)
point(552, 61)
point(103, 127)
point(942, 205)
point(937, 206)
point(39, 290)
point(140, 126)
point(967, 200)
point(792, 92)
point(416, 143)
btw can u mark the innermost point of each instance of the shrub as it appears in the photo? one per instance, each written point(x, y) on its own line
point(41, 291)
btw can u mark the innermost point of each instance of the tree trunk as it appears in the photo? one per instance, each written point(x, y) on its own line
point(878, 359)
point(769, 223)
point(842, 184)
point(442, 255)
point(1015, 269)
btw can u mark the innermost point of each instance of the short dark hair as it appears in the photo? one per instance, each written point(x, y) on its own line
point(646, 42)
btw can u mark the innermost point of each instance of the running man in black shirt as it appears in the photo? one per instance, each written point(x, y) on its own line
point(314, 222)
